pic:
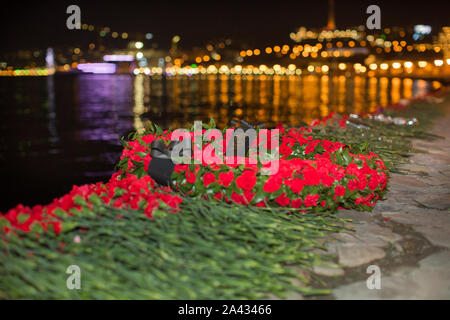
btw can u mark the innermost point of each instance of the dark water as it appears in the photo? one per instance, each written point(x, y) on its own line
point(64, 130)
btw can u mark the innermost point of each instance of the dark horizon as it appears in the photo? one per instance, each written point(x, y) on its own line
point(28, 25)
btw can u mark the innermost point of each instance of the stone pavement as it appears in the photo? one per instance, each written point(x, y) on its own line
point(407, 235)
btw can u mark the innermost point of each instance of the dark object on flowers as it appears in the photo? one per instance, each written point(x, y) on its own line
point(161, 166)
point(244, 139)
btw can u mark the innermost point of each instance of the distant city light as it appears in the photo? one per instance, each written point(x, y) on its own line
point(422, 29)
point(384, 66)
point(422, 64)
point(342, 66)
point(101, 68)
point(139, 45)
point(118, 58)
point(148, 36)
point(139, 55)
point(438, 63)
point(408, 64)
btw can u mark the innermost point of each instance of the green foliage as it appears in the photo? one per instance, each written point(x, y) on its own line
point(207, 251)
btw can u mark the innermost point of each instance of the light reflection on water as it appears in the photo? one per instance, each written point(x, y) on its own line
point(64, 130)
point(177, 101)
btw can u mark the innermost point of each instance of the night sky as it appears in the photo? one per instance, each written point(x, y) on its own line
point(38, 24)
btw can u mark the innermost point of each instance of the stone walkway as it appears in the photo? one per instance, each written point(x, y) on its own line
point(407, 236)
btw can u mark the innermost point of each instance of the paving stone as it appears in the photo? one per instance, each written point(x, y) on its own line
point(433, 158)
point(390, 204)
point(437, 236)
point(353, 255)
point(404, 180)
point(420, 217)
point(440, 260)
point(374, 230)
point(438, 180)
point(391, 288)
point(431, 280)
point(433, 200)
point(369, 233)
point(328, 271)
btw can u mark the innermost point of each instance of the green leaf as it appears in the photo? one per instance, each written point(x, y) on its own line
point(22, 217)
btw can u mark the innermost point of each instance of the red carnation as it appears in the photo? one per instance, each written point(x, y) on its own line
point(208, 178)
point(373, 182)
point(339, 191)
point(311, 200)
point(272, 184)
point(239, 199)
point(190, 177)
point(225, 179)
point(295, 184)
point(248, 195)
point(352, 185)
point(285, 150)
point(296, 203)
point(283, 200)
point(247, 180)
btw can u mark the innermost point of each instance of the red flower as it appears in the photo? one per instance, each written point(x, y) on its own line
point(352, 185)
point(261, 204)
point(283, 200)
point(248, 195)
point(247, 180)
point(311, 200)
point(296, 203)
point(295, 184)
point(272, 184)
point(56, 227)
point(373, 182)
point(285, 150)
point(190, 177)
point(339, 191)
point(239, 199)
point(208, 178)
point(225, 179)
point(311, 176)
